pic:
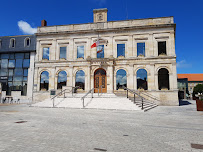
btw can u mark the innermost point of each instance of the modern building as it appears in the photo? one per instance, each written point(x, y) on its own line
point(138, 54)
point(192, 79)
point(183, 92)
point(17, 55)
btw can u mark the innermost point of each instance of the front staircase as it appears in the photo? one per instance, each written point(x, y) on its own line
point(141, 102)
point(99, 101)
point(103, 101)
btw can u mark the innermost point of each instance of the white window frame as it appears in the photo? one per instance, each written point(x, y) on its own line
point(11, 40)
point(25, 42)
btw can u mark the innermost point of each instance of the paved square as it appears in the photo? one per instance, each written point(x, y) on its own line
point(167, 128)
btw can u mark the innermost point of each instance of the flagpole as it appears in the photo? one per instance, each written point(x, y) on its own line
point(97, 42)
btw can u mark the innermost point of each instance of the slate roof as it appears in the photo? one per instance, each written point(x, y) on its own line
point(19, 44)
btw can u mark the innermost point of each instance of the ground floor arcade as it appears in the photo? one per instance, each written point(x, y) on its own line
point(158, 79)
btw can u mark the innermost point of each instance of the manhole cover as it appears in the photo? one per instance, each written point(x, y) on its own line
point(197, 146)
point(20, 121)
point(99, 149)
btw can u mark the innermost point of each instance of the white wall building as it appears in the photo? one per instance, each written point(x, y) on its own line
point(138, 54)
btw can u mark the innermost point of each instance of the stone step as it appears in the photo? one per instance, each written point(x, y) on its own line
point(91, 103)
point(95, 95)
point(103, 101)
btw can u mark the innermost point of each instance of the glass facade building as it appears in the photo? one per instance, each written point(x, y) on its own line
point(15, 63)
point(14, 72)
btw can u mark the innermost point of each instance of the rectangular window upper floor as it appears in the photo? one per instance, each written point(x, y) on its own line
point(162, 48)
point(120, 50)
point(45, 55)
point(100, 51)
point(62, 53)
point(80, 51)
point(141, 49)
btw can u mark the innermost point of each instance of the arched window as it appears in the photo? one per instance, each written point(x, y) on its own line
point(44, 81)
point(121, 79)
point(12, 43)
point(142, 79)
point(62, 79)
point(80, 79)
point(27, 42)
point(163, 79)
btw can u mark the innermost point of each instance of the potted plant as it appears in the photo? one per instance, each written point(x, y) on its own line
point(198, 90)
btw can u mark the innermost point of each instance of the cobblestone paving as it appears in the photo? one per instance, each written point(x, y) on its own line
point(169, 129)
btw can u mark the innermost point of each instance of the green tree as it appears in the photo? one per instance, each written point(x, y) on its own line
point(198, 89)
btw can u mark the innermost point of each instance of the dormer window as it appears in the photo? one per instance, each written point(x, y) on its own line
point(12, 43)
point(27, 42)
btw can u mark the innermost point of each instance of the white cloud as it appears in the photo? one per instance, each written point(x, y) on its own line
point(183, 64)
point(121, 79)
point(62, 76)
point(45, 53)
point(26, 28)
point(80, 78)
point(80, 51)
point(45, 77)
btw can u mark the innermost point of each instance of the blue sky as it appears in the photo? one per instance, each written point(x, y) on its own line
point(188, 16)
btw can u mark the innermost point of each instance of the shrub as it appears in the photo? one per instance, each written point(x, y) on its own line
point(198, 89)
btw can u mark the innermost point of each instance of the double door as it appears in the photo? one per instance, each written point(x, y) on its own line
point(100, 83)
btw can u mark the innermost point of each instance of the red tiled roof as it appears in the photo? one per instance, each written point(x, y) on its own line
point(192, 77)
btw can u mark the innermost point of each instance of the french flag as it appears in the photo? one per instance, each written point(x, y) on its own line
point(95, 44)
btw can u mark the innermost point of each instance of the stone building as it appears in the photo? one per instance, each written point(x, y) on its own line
point(192, 81)
point(138, 54)
point(17, 55)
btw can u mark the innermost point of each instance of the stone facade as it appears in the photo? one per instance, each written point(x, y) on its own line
point(130, 32)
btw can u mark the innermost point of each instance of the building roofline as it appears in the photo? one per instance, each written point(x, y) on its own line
point(108, 30)
point(109, 21)
point(100, 10)
point(16, 36)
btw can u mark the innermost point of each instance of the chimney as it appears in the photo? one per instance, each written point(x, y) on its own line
point(43, 23)
point(100, 15)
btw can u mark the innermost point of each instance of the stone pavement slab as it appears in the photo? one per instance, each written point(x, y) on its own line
point(170, 129)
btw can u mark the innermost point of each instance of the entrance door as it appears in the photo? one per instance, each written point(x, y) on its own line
point(100, 80)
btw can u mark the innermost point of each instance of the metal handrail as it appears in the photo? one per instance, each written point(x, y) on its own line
point(101, 89)
point(90, 91)
point(132, 91)
point(83, 98)
point(63, 91)
point(149, 95)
